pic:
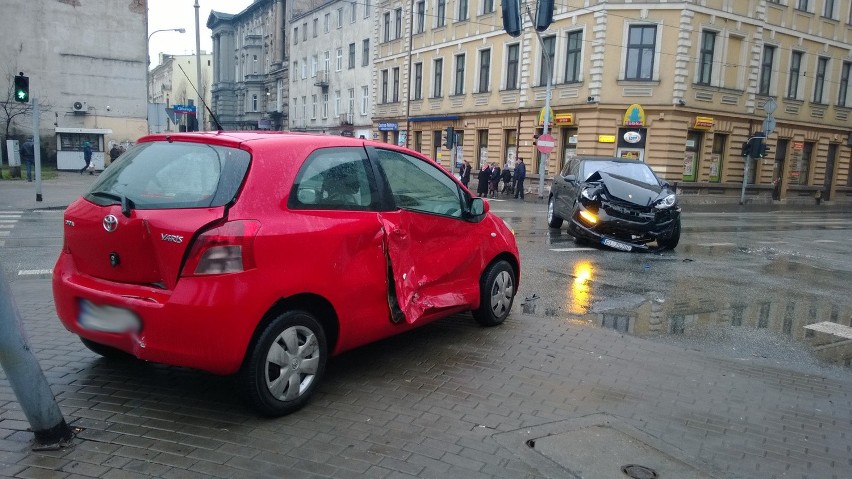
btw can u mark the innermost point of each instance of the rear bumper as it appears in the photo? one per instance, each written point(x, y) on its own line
point(204, 323)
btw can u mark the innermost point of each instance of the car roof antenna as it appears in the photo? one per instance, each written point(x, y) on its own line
point(206, 108)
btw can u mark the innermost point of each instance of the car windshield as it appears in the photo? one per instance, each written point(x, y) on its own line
point(163, 175)
point(636, 171)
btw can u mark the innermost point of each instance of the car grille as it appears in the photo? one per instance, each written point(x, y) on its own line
point(630, 213)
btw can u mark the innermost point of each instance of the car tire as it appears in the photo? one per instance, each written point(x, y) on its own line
point(496, 294)
point(672, 241)
point(284, 364)
point(107, 352)
point(553, 220)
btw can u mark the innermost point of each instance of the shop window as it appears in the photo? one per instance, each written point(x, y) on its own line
point(482, 148)
point(717, 157)
point(692, 155)
point(800, 162)
point(418, 141)
point(568, 137)
point(510, 146)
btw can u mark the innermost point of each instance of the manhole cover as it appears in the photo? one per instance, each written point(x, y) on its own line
point(635, 471)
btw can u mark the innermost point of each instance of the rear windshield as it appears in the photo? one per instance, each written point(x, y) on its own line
point(165, 175)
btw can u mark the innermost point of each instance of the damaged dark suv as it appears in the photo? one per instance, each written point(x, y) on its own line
point(615, 202)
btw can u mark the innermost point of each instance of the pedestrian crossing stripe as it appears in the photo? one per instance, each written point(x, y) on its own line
point(27, 272)
point(565, 250)
point(5, 233)
point(831, 328)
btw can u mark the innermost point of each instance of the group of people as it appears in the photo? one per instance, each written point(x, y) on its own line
point(490, 176)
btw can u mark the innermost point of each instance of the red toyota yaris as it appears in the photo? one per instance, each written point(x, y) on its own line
point(262, 254)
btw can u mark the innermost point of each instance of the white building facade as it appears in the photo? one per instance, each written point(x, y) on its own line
point(173, 83)
point(331, 65)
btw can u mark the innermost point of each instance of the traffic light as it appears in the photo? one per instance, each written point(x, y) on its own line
point(764, 152)
point(756, 146)
point(543, 15)
point(512, 22)
point(22, 88)
point(449, 137)
point(745, 148)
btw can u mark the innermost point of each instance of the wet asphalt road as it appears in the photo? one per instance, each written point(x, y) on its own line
point(744, 284)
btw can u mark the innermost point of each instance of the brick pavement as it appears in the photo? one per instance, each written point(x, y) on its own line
point(449, 400)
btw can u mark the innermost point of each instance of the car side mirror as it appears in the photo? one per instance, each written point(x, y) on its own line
point(571, 178)
point(666, 184)
point(478, 207)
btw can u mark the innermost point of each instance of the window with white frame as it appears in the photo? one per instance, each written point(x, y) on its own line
point(397, 23)
point(387, 21)
point(546, 59)
point(339, 59)
point(316, 27)
point(828, 9)
point(327, 23)
point(304, 68)
point(487, 6)
point(365, 52)
point(843, 91)
point(295, 68)
point(420, 17)
point(795, 74)
point(512, 66)
point(441, 13)
point(304, 108)
point(484, 71)
point(459, 75)
point(705, 57)
point(354, 12)
point(437, 77)
point(351, 56)
point(417, 88)
point(340, 17)
point(365, 100)
point(395, 90)
point(573, 56)
point(367, 8)
point(254, 102)
point(351, 103)
point(337, 103)
point(802, 5)
point(295, 113)
point(314, 107)
point(326, 62)
point(314, 61)
point(819, 79)
point(765, 82)
point(384, 86)
point(324, 106)
point(641, 52)
point(463, 8)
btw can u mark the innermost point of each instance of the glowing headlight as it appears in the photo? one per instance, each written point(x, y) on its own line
point(589, 217)
point(666, 202)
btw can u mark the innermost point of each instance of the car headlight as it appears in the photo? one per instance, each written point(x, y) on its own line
point(666, 202)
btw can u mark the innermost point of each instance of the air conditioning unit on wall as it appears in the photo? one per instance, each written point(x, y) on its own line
point(80, 106)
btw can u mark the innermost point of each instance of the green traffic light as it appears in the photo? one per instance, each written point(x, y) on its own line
point(22, 88)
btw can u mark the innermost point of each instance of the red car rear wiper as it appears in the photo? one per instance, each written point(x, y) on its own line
point(126, 203)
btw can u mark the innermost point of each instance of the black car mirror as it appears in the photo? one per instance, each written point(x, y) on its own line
point(665, 184)
point(571, 178)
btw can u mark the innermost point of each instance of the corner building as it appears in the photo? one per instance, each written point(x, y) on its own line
point(680, 85)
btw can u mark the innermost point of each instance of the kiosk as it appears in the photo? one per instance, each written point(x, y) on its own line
point(69, 147)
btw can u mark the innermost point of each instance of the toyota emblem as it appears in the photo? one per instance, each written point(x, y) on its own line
point(110, 223)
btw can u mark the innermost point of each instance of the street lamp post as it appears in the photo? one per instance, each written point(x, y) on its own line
point(148, 72)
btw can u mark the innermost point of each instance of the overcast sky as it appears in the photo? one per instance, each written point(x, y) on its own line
point(181, 14)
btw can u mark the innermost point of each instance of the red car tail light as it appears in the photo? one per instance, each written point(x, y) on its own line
point(228, 248)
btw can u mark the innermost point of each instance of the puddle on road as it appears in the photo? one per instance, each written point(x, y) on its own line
point(782, 325)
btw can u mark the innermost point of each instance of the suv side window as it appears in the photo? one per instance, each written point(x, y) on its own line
point(420, 186)
point(334, 179)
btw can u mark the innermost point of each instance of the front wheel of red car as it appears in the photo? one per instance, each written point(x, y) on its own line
point(497, 291)
point(285, 364)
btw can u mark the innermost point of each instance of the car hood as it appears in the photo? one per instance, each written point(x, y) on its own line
point(628, 189)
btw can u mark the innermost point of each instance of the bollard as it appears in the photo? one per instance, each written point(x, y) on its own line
point(26, 377)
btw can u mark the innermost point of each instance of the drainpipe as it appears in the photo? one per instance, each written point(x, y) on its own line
point(408, 87)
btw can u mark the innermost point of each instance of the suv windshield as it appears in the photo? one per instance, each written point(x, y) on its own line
point(164, 175)
point(637, 171)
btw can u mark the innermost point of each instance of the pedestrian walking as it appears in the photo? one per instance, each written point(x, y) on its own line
point(464, 173)
point(28, 157)
point(482, 180)
point(493, 180)
point(520, 176)
point(87, 157)
point(114, 153)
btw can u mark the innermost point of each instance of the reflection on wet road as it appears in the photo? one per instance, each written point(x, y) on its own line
point(772, 285)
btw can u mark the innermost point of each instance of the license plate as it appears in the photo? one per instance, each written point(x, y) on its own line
point(616, 244)
point(107, 319)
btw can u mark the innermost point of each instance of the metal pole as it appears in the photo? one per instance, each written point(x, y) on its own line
point(26, 377)
point(747, 159)
point(199, 108)
point(549, 71)
point(37, 146)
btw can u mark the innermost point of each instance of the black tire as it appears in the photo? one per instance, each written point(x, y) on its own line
point(672, 241)
point(496, 294)
point(297, 340)
point(553, 220)
point(107, 352)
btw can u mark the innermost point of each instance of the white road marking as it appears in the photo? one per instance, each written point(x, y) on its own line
point(822, 222)
point(7, 226)
point(25, 272)
point(502, 211)
point(772, 242)
point(9, 216)
point(825, 241)
point(563, 250)
point(8, 221)
point(5, 233)
point(831, 328)
point(717, 244)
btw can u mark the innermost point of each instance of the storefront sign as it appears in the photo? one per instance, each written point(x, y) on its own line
point(541, 116)
point(388, 126)
point(703, 123)
point(798, 145)
point(606, 138)
point(632, 137)
point(566, 119)
point(634, 116)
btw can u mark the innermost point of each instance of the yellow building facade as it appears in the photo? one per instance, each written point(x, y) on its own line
point(681, 85)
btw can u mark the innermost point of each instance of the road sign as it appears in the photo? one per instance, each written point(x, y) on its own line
point(184, 109)
point(769, 124)
point(546, 143)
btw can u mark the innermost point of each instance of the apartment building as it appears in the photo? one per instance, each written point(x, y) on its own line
point(331, 64)
point(250, 67)
point(172, 83)
point(680, 85)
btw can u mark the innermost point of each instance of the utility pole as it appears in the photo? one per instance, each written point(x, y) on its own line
point(199, 108)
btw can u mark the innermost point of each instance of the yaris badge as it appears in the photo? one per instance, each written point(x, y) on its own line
point(110, 223)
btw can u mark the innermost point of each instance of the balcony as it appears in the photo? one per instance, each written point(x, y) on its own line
point(346, 119)
point(322, 79)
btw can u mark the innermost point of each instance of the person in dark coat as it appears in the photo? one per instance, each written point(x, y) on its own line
point(464, 173)
point(483, 178)
point(493, 180)
point(520, 176)
point(507, 181)
point(87, 157)
point(28, 157)
point(114, 153)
